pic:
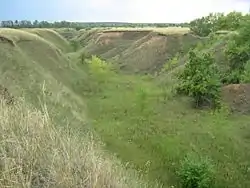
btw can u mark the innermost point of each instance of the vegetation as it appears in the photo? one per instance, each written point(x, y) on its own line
point(147, 126)
point(216, 22)
point(196, 172)
point(237, 53)
point(34, 153)
point(200, 80)
point(138, 117)
point(80, 25)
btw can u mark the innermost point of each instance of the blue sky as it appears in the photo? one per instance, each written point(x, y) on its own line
point(117, 10)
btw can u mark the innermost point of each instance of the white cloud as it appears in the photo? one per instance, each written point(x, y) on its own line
point(146, 10)
point(180, 10)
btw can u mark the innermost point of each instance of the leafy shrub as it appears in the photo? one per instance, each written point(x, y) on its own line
point(75, 45)
point(200, 80)
point(237, 53)
point(196, 172)
point(99, 74)
point(246, 74)
point(83, 56)
point(171, 64)
point(237, 56)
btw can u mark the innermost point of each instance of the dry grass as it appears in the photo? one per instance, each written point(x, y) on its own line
point(52, 36)
point(166, 30)
point(33, 153)
point(18, 35)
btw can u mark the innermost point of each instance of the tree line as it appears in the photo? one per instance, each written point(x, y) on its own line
point(217, 21)
point(79, 25)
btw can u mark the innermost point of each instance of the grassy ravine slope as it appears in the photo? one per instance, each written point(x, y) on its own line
point(137, 117)
point(140, 120)
point(45, 141)
point(137, 50)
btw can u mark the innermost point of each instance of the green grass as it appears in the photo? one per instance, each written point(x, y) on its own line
point(138, 118)
point(34, 68)
point(154, 135)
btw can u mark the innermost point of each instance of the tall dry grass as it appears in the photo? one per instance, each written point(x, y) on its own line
point(34, 153)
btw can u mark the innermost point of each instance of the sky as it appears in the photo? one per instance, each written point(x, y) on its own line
point(157, 11)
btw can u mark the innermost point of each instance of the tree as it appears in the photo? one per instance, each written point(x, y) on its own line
point(237, 53)
point(200, 80)
point(215, 22)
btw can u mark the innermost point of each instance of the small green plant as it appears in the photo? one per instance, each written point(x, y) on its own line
point(84, 55)
point(200, 80)
point(170, 65)
point(246, 74)
point(142, 97)
point(99, 71)
point(75, 45)
point(196, 172)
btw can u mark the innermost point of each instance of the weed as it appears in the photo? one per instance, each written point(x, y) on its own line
point(196, 172)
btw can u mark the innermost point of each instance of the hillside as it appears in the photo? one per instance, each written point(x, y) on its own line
point(138, 118)
point(51, 119)
point(144, 123)
point(137, 50)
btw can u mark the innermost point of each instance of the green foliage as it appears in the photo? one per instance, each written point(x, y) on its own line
point(196, 172)
point(84, 56)
point(100, 71)
point(170, 65)
point(246, 74)
point(237, 53)
point(200, 79)
point(75, 45)
point(215, 22)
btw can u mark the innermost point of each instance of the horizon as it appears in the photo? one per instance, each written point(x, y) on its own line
point(131, 11)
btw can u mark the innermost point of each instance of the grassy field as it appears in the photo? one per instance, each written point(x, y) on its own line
point(164, 31)
point(137, 117)
point(144, 124)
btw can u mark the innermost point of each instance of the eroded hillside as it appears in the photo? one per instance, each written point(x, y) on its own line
point(137, 50)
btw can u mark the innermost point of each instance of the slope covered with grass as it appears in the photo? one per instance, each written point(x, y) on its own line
point(52, 36)
point(45, 141)
point(35, 153)
point(139, 118)
point(143, 122)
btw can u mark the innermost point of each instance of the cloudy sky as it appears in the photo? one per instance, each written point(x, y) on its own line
point(117, 10)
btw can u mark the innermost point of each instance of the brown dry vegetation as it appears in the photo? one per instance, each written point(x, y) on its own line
point(36, 154)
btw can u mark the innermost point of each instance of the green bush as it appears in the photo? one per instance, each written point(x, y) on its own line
point(200, 80)
point(196, 172)
point(237, 53)
point(237, 56)
point(246, 74)
point(75, 45)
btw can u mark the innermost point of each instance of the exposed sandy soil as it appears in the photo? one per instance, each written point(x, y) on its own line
point(238, 97)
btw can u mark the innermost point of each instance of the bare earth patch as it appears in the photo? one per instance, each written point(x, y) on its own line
point(237, 96)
